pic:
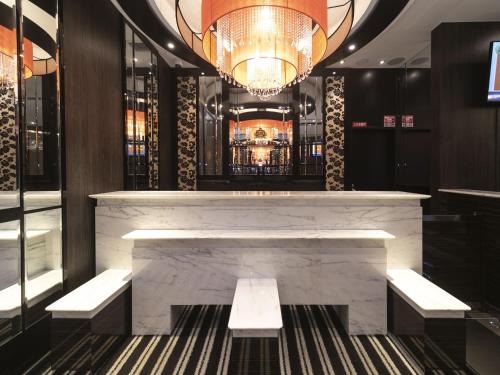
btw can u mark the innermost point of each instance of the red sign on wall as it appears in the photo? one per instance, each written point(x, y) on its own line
point(389, 121)
point(407, 121)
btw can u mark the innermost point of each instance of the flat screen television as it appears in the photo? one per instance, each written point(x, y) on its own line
point(494, 82)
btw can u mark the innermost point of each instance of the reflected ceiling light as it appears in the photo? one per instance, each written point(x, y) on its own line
point(264, 45)
point(382, 62)
point(342, 62)
point(352, 47)
point(8, 56)
point(170, 45)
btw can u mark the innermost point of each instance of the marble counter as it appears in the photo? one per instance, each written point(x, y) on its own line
point(119, 213)
point(476, 193)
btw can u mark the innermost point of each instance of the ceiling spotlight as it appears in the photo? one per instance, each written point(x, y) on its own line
point(202, 73)
point(352, 47)
point(136, 59)
point(170, 45)
point(333, 73)
point(382, 62)
point(342, 62)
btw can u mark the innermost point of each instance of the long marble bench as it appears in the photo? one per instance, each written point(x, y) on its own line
point(345, 268)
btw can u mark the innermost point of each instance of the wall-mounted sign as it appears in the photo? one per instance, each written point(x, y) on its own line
point(389, 121)
point(359, 124)
point(407, 121)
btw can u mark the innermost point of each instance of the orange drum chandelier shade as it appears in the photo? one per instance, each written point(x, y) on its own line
point(264, 45)
point(8, 56)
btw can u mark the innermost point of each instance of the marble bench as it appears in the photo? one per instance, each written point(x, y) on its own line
point(421, 311)
point(256, 310)
point(344, 268)
point(94, 318)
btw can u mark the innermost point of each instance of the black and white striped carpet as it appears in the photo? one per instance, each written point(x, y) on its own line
point(312, 342)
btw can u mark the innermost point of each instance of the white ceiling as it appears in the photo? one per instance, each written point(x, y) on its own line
point(408, 38)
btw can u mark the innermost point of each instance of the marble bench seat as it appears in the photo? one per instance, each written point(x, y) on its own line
point(429, 300)
point(174, 268)
point(37, 289)
point(256, 310)
point(94, 317)
point(428, 315)
point(92, 297)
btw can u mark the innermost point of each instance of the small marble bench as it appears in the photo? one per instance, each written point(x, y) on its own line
point(37, 289)
point(344, 268)
point(422, 311)
point(94, 317)
point(256, 310)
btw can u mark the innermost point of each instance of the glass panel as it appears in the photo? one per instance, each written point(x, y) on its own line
point(9, 189)
point(43, 258)
point(260, 134)
point(142, 114)
point(210, 126)
point(311, 127)
point(10, 280)
point(42, 172)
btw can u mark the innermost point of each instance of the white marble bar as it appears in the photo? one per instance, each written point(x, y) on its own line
point(192, 267)
point(119, 213)
point(476, 193)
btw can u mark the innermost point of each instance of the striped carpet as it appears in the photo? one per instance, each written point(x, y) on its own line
point(313, 342)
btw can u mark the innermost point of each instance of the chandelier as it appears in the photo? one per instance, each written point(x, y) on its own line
point(264, 45)
point(8, 57)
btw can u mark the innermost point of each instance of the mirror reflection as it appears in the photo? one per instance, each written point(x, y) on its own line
point(9, 190)
point(10, 283)
point(41, 107)
point(43, 261)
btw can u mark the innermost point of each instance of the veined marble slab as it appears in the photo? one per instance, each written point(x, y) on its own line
point(214, 198)
point(476, 193)
point(256, 309)
point(176, 272)
point(426, 298)
point(397, 213)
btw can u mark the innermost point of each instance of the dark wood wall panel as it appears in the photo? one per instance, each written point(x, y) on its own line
point(92, 54)
point(167, 126)
point(465, 145)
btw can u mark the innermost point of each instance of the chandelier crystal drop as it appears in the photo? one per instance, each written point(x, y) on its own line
point(264, 46)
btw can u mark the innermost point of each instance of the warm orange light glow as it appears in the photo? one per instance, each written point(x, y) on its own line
point(264, 45)
point(8, 55)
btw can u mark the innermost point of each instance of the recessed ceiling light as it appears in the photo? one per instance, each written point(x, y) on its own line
point(352, 47)
point(136, 59)
point(382, 62)
point(202, 73)
point(333, 73)
point(170, 45)
point(342, 62)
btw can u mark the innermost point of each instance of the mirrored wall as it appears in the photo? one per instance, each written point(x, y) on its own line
point(141, 116)
point(31, 251)
point(240, 135)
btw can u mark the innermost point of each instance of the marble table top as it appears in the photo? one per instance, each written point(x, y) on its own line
point(214, 197)
point(477, 193)
point(258, 234)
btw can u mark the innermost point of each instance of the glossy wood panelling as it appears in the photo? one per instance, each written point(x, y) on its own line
point(465, 149)
point(92, 52)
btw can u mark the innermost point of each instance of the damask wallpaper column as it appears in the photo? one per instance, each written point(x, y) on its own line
point(152, 125)
point(8, 146)
point(186, 133)
point(334, 133)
